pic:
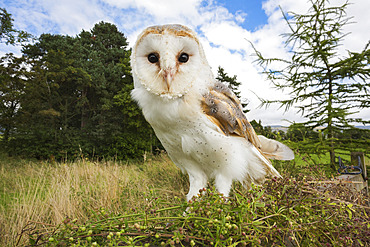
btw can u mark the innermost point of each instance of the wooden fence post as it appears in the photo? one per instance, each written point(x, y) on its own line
point(354, 162)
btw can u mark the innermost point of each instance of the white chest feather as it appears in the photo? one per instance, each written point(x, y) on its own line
point(192, 141)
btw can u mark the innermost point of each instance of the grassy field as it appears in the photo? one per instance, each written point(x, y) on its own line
point(33, 191)
point(44, 194)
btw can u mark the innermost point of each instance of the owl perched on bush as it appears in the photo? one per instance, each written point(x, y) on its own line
point(198, 120)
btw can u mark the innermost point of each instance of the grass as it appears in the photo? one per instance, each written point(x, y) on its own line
point(57, 201)
point(34, 191)
point(311, 162)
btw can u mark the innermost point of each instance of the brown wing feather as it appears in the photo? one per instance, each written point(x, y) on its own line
point(223, 108)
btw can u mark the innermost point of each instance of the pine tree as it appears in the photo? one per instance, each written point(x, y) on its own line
point(233, 84)
point(326, 87)
point(48, 113)
point(75, 97)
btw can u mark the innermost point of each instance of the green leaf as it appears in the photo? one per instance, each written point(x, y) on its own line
point(349, 213)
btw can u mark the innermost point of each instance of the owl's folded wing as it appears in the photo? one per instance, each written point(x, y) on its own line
point(223, 108)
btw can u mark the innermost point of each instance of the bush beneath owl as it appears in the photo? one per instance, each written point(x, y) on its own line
point(198, 120)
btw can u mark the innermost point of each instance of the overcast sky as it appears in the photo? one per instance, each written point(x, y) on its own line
point(224, 26)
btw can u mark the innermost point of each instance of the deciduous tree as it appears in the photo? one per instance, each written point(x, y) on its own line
point(8, 34)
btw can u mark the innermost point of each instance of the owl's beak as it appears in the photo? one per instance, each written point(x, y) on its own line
point(168, 76)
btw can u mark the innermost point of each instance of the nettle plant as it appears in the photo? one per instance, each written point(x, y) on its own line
point(289, 211)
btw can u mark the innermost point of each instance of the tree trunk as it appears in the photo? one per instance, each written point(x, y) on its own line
point(84, 110)
point(332, 148)
point(330, 126)
point(332, 159)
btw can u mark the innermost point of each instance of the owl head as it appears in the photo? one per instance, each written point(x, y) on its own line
point(169, 61)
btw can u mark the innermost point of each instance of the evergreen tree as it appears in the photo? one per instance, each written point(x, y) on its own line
point(75, 98)
point(47, 119)
point(233, 84)
point(110, 117)
point(104, 50)
point(326, 87)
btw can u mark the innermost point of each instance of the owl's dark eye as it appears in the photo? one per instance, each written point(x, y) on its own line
point(153, 58)
point(183, 58)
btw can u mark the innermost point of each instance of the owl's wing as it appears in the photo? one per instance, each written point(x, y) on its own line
point(223, 108)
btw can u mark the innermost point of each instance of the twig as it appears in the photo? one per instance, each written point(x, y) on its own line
point(139, 234)
point(41, 223)
point(335, 182)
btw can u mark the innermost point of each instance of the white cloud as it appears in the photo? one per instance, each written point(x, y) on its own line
point(221, 32)
point(72, 16)
point(64, 17)
point(226, 34)
point(148, 12)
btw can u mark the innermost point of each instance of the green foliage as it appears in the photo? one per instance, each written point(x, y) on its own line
point(268, 132)
point(300, 132)
point(8, 34)
point(11, 90)
point(233, 84)
point(75, 98)
point(325, 87)
point(289, 211)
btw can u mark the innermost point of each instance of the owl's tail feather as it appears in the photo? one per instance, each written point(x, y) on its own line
point(275, 150)
point(268, 167)
point(268, 149)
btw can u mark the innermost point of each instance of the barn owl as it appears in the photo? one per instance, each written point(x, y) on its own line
point(198, 120)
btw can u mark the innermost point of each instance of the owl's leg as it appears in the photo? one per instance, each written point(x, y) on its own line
point(198, 180)
point(223, 184)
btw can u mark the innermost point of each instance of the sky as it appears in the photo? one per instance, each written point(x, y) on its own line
point(224, 27)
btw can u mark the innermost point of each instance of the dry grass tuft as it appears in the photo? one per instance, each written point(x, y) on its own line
point(50, 193)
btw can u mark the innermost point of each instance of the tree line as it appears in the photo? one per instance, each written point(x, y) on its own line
point(70, 96)
point(67, 96)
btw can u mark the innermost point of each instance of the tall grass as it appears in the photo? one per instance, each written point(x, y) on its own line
point(50, 193)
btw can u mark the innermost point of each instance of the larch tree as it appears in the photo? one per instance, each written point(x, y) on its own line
point(326, 86)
